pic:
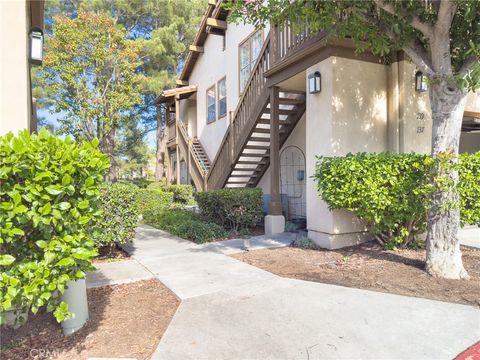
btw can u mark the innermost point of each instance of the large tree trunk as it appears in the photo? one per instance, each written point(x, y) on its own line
point(444, 258)
point(108, 147)
point(161, 146)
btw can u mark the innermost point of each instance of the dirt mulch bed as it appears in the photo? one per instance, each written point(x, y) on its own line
point(368, 266)
point(125, 321)
point(104, 255)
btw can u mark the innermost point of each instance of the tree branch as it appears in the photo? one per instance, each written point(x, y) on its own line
point(446, 12)
point(415, 22)
point(418, 58)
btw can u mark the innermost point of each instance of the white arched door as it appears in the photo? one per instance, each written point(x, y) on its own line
point(292, 180)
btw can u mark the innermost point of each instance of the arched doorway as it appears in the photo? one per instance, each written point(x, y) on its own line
point(292, 180)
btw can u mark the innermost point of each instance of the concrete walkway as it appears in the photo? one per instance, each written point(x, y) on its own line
point(470, 236)
point(231, 310)
point(118, 272)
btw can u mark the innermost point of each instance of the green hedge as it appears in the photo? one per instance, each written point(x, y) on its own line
point(120, 215)
point(235, 209)
point(469, 188)
point(391, 192)
point(49, 198)
point(182, 194)
point(152, 198)
point(183, 223)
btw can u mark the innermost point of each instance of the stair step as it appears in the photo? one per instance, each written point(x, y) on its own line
point(267, 121)
point(245, 162)
point(287, 91)
point(248, 182)
point(283, 111)
point(243, 176)
point(290, 101)
point(257, 147)
point(259, 139)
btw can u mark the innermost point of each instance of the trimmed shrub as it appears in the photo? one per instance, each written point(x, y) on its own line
point(183, 223)
point(49, 199)
point(469, 188)
point(120, 215)
point(234, 209)
point(388, 191)
point(391, 192)
point(151, 198)
point(182, 194)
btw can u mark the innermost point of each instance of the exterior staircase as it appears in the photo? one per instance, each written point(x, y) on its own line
point(244, 154)
point(254, 157)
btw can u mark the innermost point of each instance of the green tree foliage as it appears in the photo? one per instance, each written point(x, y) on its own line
point(49, 199)
point(469, 188)
point(90, 68)
point(162, 29)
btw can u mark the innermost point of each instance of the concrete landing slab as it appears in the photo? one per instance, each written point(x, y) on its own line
point(234, 246)
point(118, 272)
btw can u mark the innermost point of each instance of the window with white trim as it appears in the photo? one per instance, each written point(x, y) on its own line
point(249, 50)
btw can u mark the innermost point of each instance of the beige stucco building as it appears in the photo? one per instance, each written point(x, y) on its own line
point(17, 108)
point(243, 110)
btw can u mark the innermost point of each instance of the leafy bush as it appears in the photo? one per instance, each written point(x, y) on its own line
point(391, 192)
point(49, 198)
point(235, 209)
point(182, 194)
point(151, 198)
point(140, 182)
point(120, 215)
point(469, 188)
point(388, 191)
point(183, 223)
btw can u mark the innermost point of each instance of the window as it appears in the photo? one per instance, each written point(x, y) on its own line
point(248, 52)
point(211, 113)
point(222, 97)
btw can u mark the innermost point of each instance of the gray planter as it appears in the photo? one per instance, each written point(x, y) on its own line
point(75, 296)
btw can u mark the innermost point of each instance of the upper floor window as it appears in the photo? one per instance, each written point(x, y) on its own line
point(211, 111)
point(249, 50)
point(222, 97)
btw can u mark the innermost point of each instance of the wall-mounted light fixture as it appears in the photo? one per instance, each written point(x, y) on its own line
point(314, 82)
point(420, 82)
point(36, 46)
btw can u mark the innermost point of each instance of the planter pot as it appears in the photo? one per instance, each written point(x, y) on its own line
point(16, 318)
point(75, 296)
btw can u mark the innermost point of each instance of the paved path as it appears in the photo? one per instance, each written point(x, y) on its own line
point(118, 272)
point(231, 310)
point(470, 236)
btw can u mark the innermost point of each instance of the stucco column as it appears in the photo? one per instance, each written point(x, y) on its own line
point(275, 201)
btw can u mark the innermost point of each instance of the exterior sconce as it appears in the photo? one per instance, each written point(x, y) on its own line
point(36, 46)
point(314, 82)
point(420, 83)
